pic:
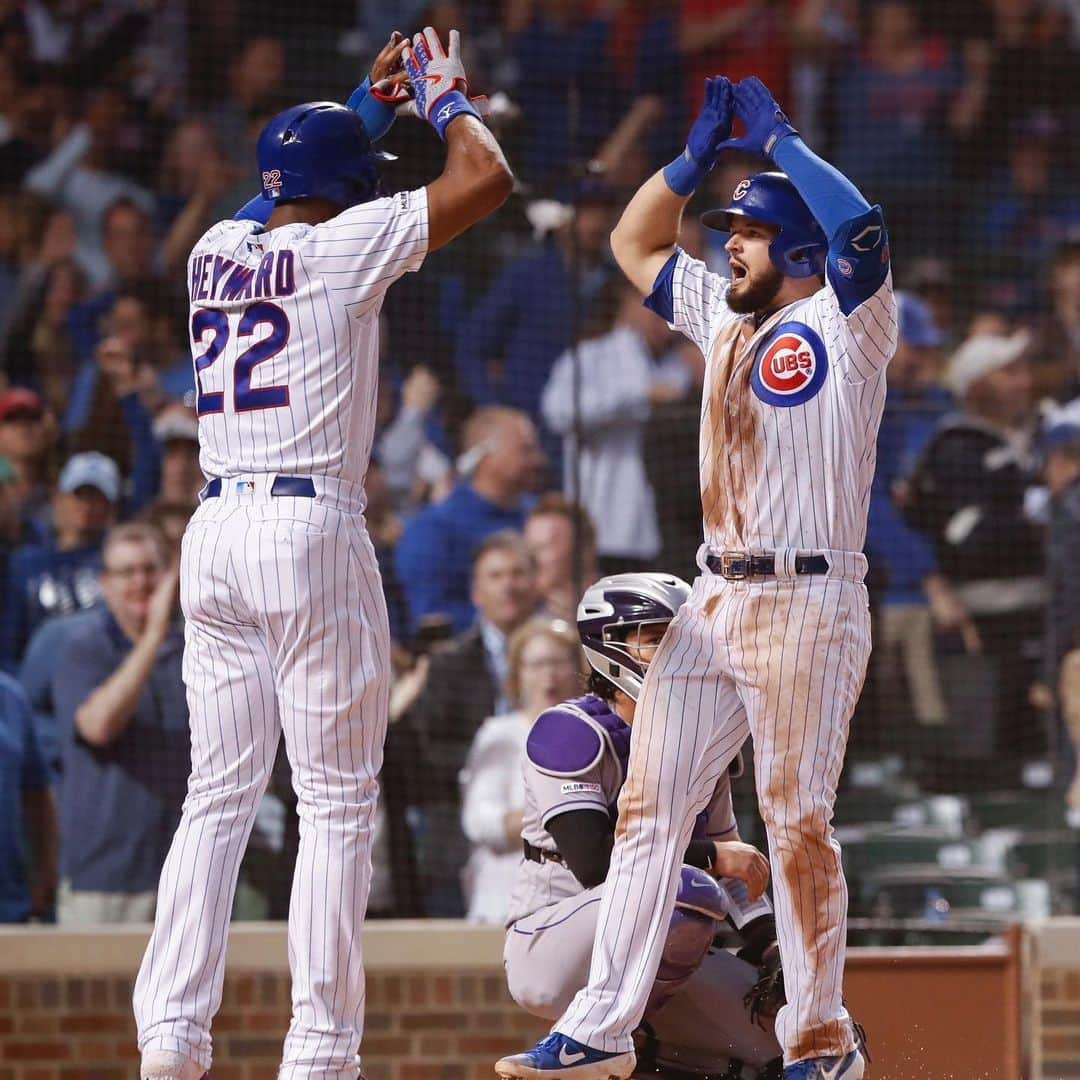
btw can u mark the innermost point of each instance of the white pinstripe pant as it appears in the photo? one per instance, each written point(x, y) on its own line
point(286, 632)
point(786, 658)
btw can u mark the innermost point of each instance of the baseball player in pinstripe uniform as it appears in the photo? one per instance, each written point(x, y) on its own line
point(696, 1021)
point(286, 629)
point(775, 637)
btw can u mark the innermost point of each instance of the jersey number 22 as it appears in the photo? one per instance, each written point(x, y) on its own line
point(246, 397)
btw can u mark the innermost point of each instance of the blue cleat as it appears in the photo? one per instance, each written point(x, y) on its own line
point(849, 1067)
point(558, 1056)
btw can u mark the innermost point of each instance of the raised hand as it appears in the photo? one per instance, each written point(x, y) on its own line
point(707, 136)
point(765, 122)
point(437, 77)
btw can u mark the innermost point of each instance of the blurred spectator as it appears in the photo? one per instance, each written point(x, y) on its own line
point(60, 574)
point(194, 175)
point(79, 175)
point(25, 441)
point(35, 675)
point(176, 429)
point(966, 493)
point(1025, 210)
point(738, 38)
point(1060, 684)
point(10, 525)
point(465, 683)
point(412, 465)
point(124, 726)
point(1001, 39)
point(510, 340)
point(565, 83)
point(1056, 364)
point(599, 398)
point(908, 684)
point(27, 811)
point(561, 538)
point(436, 550)
point(543, 668)
point(256, 89)
point(384, 527)
point(890, 110)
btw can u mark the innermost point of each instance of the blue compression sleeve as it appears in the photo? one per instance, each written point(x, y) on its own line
point(257, 209)
point(833, 199)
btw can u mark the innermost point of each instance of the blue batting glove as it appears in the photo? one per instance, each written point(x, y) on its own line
point(707, 135)
point(762, 117)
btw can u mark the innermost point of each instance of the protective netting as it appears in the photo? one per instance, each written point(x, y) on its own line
point(126, 128)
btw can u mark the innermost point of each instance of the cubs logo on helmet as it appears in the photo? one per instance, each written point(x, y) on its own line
point(790, 367)
point(741, 188)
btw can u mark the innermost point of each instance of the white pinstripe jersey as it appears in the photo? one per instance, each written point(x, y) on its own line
point(789, 414)
point(284, 328)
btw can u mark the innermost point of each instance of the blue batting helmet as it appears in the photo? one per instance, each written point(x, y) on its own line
point(615, 607)
point(800, 247)
point(319, 150)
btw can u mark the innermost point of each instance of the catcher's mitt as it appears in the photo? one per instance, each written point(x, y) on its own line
point(766, 997)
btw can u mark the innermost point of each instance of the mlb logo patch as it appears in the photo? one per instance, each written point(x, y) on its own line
point(245, 487)
point(790, 367)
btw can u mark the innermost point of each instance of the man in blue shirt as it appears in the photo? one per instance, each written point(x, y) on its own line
point(59, 575)
point(123, 723)
point(26, 811)
point(511, 339)
point(435, 553)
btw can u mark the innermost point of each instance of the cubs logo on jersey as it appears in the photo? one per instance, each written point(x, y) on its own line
point(790, 366)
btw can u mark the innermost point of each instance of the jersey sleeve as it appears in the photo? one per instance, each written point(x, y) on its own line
point(859, 309)
point(691, 298)
point(365, 249)
point(719, 814)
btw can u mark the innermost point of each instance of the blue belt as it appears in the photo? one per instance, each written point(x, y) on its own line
point(738, 565)
point(300, 487)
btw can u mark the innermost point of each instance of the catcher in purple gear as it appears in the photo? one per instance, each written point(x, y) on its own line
point(698, 1022)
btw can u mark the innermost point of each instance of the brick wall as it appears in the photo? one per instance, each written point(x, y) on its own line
point(438, 1008)
point(420, 1027)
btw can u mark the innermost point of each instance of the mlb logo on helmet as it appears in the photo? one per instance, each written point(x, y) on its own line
point(741, 188)
point(790, 367)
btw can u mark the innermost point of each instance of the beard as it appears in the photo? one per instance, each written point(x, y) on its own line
point(755, 293)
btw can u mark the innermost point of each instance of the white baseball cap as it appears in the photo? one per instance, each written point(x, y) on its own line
point(91, 470)
point(981, 355)
point(177, 424)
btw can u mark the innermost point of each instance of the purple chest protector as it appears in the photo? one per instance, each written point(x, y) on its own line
point(571, 739)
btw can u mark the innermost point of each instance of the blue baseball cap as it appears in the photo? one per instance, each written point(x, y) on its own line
point(917, 326)
point(91, 469)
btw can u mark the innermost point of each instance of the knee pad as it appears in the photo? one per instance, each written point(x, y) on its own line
point(699, 905)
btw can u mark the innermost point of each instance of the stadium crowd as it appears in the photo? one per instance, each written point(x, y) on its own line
point(536, 424)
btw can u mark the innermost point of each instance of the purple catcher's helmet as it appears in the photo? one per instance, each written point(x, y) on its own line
point(613, 608)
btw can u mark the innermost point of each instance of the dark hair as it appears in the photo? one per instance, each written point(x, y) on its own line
point(595, 683)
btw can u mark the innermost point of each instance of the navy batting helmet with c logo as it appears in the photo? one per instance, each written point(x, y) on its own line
point(800, 247)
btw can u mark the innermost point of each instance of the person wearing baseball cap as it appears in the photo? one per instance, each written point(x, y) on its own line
point(966, 494)
point(60, 574)
point(176, 430)
point(25, 439)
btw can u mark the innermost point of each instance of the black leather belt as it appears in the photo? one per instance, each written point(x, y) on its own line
point(739, 565)
point(539, 855)
point(300, 487)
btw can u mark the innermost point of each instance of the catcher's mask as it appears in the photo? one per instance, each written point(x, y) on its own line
point(612, 612)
